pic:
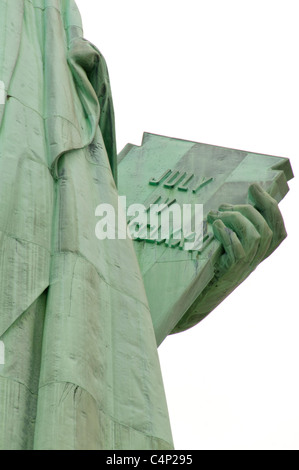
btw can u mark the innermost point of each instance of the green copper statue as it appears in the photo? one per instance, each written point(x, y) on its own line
point(81, 368)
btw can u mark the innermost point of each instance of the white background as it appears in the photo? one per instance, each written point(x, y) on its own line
point(223, 73)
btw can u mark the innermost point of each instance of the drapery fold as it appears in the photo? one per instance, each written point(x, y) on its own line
point(82, 369)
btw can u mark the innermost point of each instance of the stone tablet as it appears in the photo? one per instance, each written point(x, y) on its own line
point(165, 172)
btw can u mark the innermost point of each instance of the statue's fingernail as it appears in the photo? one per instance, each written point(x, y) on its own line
point(226, 207)
point(213, 214)
point(256, 187)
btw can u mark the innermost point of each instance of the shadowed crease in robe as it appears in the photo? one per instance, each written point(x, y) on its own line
point(81, 365)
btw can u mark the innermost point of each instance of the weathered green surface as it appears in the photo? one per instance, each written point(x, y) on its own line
point(81, 366)
point(166, 170)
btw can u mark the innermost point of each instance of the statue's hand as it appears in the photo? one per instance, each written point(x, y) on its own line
point(248, 235)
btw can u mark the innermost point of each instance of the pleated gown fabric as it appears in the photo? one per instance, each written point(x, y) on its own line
point(81, 364)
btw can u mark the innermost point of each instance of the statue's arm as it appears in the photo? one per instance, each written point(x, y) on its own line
point(248, 234)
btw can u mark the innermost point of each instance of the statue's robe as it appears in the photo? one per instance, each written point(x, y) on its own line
point(81, 364)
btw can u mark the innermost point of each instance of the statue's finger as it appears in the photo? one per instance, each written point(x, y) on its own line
point(244, 229)
point(233, 249)
point(260, 225)
point(269, 209)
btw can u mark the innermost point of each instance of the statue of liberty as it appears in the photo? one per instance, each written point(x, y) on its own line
point(81, 365)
